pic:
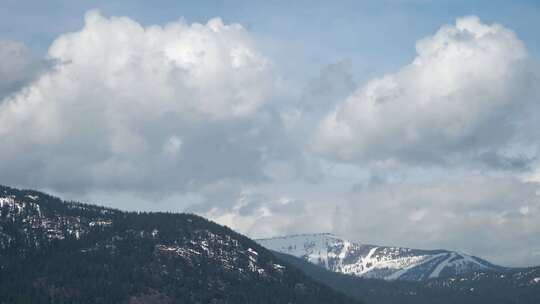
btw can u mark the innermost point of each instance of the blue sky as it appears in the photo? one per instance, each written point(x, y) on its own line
point(394, 122)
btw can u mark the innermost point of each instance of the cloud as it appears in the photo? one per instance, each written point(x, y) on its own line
point(260, 211)
point(496, 218)
point(466, 93)
point(141, 108)
point(17, 67)
point(334, 82)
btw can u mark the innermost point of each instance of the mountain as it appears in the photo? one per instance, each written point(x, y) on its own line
point(379, 262)
point(513, 286)
point(53, 251)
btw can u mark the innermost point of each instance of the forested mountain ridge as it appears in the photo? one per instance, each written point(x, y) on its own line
point(53, 251)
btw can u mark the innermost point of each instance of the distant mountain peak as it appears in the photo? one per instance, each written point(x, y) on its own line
point(372, 261)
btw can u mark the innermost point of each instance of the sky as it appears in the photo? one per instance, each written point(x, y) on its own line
point(397, 122)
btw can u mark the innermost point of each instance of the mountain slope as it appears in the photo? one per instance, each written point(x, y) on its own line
point(380, 262)
point(62, 252)
point(517, 286)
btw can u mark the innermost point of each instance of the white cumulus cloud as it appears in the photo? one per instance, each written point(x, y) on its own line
point(123, 99)
point(463, 95)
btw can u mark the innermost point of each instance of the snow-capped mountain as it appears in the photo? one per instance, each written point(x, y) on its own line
point(380, 262)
